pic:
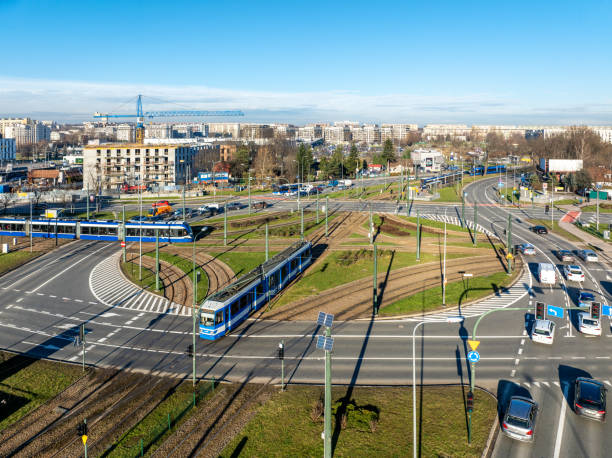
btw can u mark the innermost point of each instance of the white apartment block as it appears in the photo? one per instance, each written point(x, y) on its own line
point(604, 132)
point(310, 133)
point(8, 149)
point(224, 128)
point(25, 134)
point(158, 131)
point(337, 134)
point(125, 133)
point(460, 131)
point(110, 165)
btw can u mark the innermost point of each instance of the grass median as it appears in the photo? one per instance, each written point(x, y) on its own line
point(9, 261)
point(369, 422)
point(186, 265)
point(131, 270)
point(26, 383)
point(456, 293)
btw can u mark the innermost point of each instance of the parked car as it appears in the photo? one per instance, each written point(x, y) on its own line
point(590, 398)
point(520, 419)
point(527, 249)
point(588, 255)
point(214, 206)
point(585, 299)
point(565, 255)
point(543, 331)
point(573, 273)
point(138, 218)
point(179, 213)
point(234, 206)
point(588, 325)
point(259, 205)
point(540, 230)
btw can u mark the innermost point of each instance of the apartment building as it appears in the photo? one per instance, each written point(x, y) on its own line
point(224, 129)
point(111, 165)
point(25, 134)
point(337, 134)
point(8, 149)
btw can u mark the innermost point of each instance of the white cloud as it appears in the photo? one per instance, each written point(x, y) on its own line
point(77, 100)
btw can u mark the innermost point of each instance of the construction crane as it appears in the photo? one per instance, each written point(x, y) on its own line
point(140, 116)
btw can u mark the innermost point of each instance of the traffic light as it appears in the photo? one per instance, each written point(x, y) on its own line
point(82, 332)
point(546, 209)
point(595, 310)
point(540, 311)
point(281, 351)
point(470, 402)
point(82, 429)
point(190, 349)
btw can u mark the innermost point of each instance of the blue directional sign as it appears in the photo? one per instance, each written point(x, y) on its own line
point(555, 311)
point(473, 356)
point(606, 310)
point(500, 184)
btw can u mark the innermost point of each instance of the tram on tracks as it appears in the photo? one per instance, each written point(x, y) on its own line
point(147, 231)
point(223, 311)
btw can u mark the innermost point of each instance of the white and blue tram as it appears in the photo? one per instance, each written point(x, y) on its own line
point(97, 230)
point(226, 309)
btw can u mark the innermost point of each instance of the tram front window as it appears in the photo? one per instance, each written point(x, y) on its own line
point(208, 319)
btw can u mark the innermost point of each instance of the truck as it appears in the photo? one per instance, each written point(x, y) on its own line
point(546, 273)
point(158, 209)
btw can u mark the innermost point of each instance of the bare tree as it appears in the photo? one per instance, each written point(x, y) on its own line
point(6, 199)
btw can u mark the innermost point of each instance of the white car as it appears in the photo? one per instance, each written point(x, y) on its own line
point(573, 273)
point(527, 249)
point(588, 325)
point(543, 331)
point(588, 255)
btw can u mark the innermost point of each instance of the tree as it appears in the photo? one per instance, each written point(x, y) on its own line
point(583, 179)
point(242, 161)
point(304, 160)
point(352, 161)
point(6, 199)
point(388, 154)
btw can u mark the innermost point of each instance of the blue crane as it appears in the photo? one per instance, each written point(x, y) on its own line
point(140, 115)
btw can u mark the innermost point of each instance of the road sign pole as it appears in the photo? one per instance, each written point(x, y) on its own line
point(509, 244)
point(283, 368)
point(156, 259)
point(249, 188)
point(475, 223)
point(462, 208)
point(83, 341)
point(418, 237)
point(375, 287)
point(470, 426)
point(31, 226)
point(193, 315)
point(371, 232)
point(317, 205)
point(87, 199)
point(328, 395)
point(225, 224)
point(326, 210)
point(444, 268)
point(267, 244)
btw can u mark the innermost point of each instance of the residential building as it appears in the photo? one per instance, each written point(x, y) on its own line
point(165, 165)
point(25, 134)
point(125, 133)
point(158, 131)
point(429, 160)
point(224, 129)
point(8, 149)
point(337, 134)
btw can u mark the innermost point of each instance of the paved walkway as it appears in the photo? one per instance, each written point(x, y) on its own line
point(588, 240)
point(111, 288)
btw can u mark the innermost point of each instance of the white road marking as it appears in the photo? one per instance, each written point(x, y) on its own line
point(561, 422)
point(513, 372)
point(20, 299)
point(520, 352)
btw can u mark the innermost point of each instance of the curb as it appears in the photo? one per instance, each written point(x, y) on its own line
point(492, 439)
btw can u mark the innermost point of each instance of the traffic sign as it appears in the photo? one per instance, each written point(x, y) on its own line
point(122, 244)
point(84, 439)
point(500, 184)
point(555, 311)
point(473, 356)
point(606, 310)
point(509, 256)
point(473, 344)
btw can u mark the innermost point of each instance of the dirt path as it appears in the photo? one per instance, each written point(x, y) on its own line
point(354, 299)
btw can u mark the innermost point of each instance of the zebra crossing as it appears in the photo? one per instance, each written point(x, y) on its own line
point(500, 300)
point(111, 288)
point(457, 222)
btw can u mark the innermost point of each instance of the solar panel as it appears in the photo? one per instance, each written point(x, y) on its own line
point(325, 319)
point(325, 343)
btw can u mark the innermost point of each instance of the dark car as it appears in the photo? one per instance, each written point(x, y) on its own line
point(234, 206)
point(590, 398)
point(259, 205)
point(565, 255)
point(138, 218)
point(539, 229)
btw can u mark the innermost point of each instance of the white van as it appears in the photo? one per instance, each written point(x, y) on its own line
point(547, 273)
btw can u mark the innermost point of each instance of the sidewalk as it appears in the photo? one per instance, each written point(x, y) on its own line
point(588, 240)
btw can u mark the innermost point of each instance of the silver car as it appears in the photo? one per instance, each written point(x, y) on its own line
point(520, 419)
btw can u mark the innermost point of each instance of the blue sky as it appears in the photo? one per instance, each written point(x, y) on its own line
point(469, 62)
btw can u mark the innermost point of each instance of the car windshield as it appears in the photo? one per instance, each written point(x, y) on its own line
point(590, 393)
point(576, 271)
point(589, 322)
point(542, 332)
point(586, 296)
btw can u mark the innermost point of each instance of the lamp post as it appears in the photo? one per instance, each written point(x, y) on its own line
point(450, 319)
point(444, 266)
point(140, 233)
point(326, 343)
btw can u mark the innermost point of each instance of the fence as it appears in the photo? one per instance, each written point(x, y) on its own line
point(130, 445)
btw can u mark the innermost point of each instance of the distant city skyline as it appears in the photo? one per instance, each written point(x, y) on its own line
point(477, 63)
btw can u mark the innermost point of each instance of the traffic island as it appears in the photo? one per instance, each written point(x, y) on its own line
point(367, 422)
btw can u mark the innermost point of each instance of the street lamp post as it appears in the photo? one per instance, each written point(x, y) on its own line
point(444, 267)
point(450, 319)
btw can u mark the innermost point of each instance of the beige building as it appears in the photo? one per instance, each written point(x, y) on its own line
point(111, 165)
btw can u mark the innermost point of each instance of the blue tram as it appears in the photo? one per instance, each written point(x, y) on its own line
point(226, 309)
point(97, 230)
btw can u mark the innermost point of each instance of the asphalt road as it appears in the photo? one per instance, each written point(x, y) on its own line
point(45, 301)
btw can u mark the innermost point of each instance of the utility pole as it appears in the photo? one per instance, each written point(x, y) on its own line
point(140, 236)
point(82, 336)
point(87, 199)
point(418, 236)
point(31, 225)
point(375, 286)
point(328, 400)
point(444, 267)
point(462, 207)
point(249, 188)
point(267, 244)
point(509, 244)
point(225, 224)
point(302, 224)
point(156, 259)
point(281, 356)
point(597, 208)
point(326, 209)
point(475, 223)
point(123, 237)
point(371, 232)
point(317, 205)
